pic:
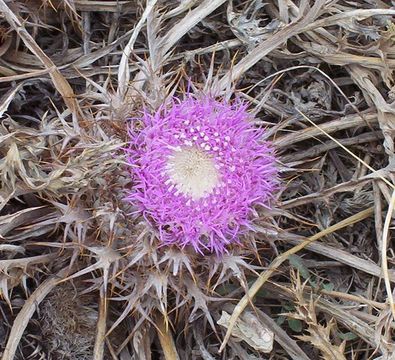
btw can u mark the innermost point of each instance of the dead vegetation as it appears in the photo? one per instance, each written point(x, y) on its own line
point(81, 278)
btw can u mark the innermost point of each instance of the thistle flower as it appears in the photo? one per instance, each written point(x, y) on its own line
point(199, 169)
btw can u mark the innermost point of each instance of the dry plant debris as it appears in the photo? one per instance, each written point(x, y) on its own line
point(82, 277)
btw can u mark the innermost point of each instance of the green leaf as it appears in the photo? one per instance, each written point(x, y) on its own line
point(296, 325)
point(348, 336)
point(328, 286)
point(296, 262)
point(226, 289)
point(262, 293)
point(280, 320)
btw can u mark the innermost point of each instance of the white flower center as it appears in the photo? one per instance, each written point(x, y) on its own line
point(192, 172)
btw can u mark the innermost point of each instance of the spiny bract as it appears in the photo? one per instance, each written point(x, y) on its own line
point(199, 166)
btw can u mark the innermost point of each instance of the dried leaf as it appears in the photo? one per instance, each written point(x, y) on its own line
point(249, 329)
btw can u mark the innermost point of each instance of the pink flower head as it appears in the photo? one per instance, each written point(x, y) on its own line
point(199, 167)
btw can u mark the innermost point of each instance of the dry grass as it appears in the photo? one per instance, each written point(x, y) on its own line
point(81, 279)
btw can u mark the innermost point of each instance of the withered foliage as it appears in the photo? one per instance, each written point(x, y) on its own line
point(81, 277)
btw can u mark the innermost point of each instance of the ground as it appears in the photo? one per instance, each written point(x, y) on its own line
point(83, 274)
